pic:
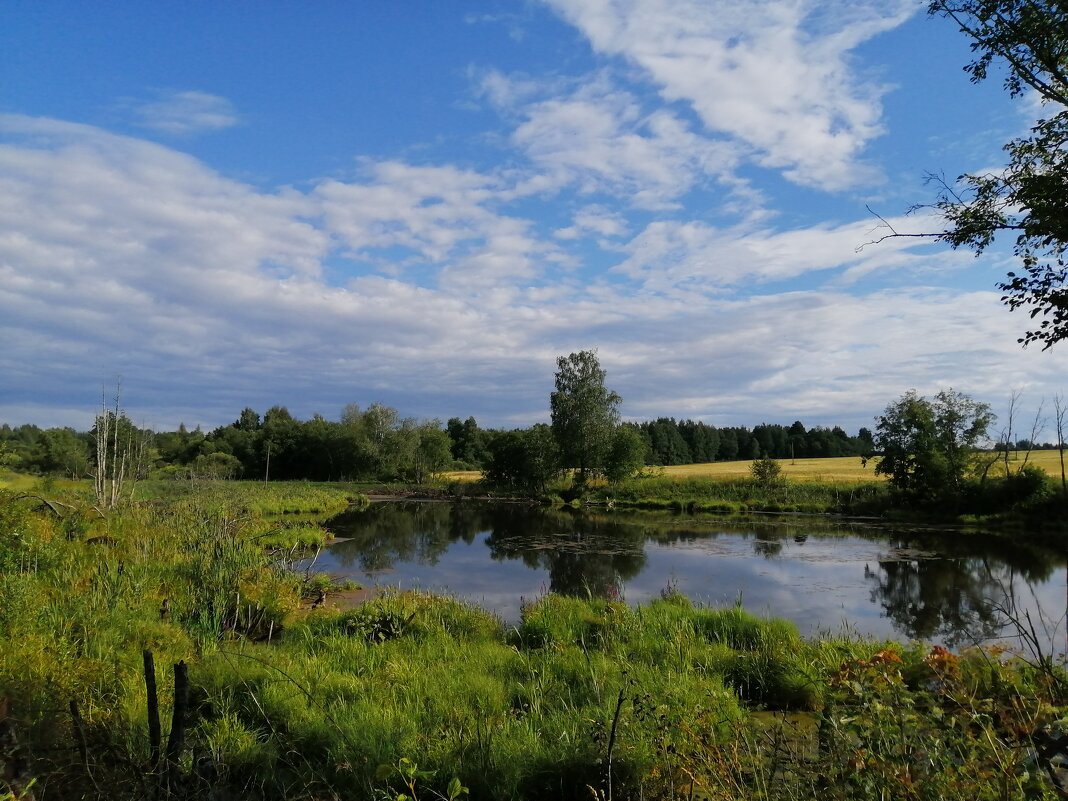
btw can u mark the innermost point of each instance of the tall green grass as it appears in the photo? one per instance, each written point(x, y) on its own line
point(582, 698)
point(257, 498)
point(732, 495)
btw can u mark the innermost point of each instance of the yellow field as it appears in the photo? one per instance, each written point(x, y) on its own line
point(24, 482)
point(846, 468)
point(17, 482)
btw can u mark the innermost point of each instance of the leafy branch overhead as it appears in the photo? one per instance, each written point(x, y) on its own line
point(1029, 197)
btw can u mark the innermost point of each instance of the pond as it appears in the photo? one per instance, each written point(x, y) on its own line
point(938, 586)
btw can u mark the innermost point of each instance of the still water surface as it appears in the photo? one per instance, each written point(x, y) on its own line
point(938, 586)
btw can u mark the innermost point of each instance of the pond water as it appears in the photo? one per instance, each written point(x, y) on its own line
point(941, 587)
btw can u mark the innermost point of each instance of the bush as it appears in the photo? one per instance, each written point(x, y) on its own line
point(766, 472)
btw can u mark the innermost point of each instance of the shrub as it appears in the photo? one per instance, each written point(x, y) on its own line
point(766, 472)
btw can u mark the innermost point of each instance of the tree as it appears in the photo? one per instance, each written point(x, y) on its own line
point(217, 466)
point(527, 460)
point(1030, 196)
point(925, 446)
point(432, 452)
point(585, 413)
point(467, 441)
point(1059, 410)
point(118, 454)
point(728, 445)
point(626, 455)
point(666, 442)
point(280, 436)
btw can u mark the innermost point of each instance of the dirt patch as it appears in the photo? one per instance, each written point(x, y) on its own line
point(347, 599)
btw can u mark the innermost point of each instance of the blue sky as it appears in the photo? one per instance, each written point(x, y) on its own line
point(423, 204)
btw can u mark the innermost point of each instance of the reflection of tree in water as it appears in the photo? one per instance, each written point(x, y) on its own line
point(583, 555)
point(767, 548)
point(951, 598)
point(386, 533)
point(959, 598)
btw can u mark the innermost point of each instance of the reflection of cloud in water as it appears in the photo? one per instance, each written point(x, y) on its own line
point(815, 593)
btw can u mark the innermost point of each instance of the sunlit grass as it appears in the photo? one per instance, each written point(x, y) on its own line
point(582, 696)
point(838, 469)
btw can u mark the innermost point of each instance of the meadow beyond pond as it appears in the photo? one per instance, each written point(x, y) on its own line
point(167, 648)
point(837, 469)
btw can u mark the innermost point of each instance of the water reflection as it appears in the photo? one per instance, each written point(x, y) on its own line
point(909, 585)
point(583, 555)
point(958, 597)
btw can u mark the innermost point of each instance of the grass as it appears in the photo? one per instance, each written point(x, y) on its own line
point(413, 693)
point(729, 495)
point(256, 498)
point(839, 469)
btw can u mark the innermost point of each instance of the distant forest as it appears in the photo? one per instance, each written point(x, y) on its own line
point(378, 444)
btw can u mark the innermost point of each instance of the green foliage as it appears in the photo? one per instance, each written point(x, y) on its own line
point(626, 454)
point(524, 459)
point(766, 472)
point(926, 447)
point(216, 466)
point(258, 499)
point(931, 725)
point(296, 536)
point(1028, 197)
point(735, 495)
point(419, 696)
point(468, 442)
point(585, 413)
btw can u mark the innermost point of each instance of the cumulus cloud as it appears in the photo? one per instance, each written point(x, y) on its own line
point(775, 76)
point(405, 215)
point(187, 113)
point(118, 256)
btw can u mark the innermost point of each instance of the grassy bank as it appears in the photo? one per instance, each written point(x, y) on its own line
point(1028, 499)
point(743, 494)
point(423, 696)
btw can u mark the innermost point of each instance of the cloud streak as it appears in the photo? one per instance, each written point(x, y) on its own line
point(775, 77)
point(187, 113)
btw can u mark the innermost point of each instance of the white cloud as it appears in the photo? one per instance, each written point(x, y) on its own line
point(598, 137)
point(776, 76)
point(187, 113)
point(122, 257)
point(597, 220)
point(441, 216)
point(681, 257)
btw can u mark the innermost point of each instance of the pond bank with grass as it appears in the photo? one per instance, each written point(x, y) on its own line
point(874, 580)
point(289, 696)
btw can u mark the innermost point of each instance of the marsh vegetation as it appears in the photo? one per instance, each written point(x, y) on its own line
point(428, 697)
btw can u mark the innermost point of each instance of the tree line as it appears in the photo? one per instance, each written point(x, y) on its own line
point(927, 448)
point(378, 443)
point(375, 443)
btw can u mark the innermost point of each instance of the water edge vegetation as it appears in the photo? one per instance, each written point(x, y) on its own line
point(422, 696)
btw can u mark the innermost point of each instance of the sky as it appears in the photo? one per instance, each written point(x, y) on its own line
point(424, 204)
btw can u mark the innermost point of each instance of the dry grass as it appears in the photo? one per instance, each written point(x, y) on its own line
point(1050, 461)
point(461, 475)
point(24, 482)
point(845, 468)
